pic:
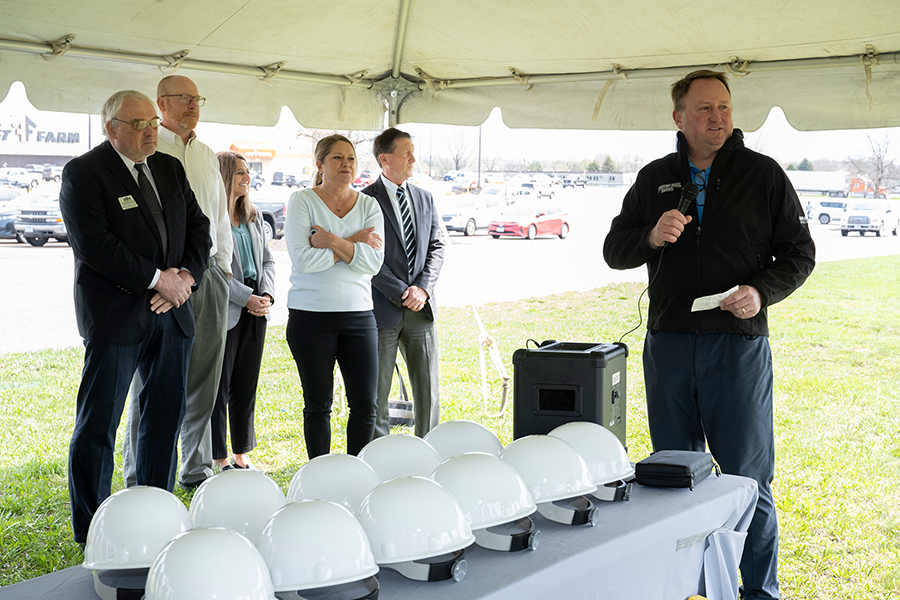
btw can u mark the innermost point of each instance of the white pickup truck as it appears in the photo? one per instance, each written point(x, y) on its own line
point(20, 177)
point(870, 216)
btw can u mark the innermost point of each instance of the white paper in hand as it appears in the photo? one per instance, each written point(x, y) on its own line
point(711, 302)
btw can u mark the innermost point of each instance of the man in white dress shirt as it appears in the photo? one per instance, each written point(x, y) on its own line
point(179, 102)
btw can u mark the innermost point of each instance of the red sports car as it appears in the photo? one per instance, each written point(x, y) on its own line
point(529, 221)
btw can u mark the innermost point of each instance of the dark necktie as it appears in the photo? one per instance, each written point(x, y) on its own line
point(409, 236)
point(155, 206)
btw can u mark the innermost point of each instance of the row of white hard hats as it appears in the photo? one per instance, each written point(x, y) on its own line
point(403, 519)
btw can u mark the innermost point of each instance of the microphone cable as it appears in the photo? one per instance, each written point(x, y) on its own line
point(689, 194)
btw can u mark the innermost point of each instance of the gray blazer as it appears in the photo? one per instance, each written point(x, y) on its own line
point(238, 293)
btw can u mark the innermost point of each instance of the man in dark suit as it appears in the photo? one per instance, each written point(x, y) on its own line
point(403, 291)
point(140, 243)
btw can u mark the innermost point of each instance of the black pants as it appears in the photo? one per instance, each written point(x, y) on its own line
point(244, 345)
point(316, 340)
point(162, 361)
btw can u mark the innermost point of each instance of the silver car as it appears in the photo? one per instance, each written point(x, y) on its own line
point(40, 218)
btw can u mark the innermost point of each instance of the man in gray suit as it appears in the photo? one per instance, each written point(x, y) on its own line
point(403, 291)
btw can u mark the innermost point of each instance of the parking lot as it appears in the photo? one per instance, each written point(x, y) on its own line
point(38, 309)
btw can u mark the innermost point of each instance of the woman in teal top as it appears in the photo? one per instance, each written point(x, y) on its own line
point(251, 293)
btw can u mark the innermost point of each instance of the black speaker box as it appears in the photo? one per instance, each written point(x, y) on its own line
point(561, 382)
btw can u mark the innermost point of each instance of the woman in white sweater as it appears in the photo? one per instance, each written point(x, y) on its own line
point(334, 236)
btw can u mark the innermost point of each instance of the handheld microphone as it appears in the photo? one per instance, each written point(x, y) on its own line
point(689, 192)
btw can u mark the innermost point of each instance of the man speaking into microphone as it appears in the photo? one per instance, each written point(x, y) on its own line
point(708, 373)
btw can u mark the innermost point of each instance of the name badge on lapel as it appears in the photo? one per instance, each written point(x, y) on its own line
point(127, 202)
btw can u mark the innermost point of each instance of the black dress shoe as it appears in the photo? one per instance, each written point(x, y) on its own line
point(190, 486)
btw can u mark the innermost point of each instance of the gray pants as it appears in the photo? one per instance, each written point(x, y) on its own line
point(210, 301)
point(416, 335)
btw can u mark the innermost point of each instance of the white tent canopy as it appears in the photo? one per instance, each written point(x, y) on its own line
point(546, 63)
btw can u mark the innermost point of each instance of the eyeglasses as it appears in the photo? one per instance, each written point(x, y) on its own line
point(187, 98)
point(140, 124)
point(700, 180)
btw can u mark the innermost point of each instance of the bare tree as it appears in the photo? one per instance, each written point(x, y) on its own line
point(878, 167)
point(460, 149)
point(490, 163)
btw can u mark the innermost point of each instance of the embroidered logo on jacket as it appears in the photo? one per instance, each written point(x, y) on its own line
point(668, 187)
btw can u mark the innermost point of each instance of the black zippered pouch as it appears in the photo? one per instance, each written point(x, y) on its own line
point(675, 468)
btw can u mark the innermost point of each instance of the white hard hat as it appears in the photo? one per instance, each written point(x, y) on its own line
point(131, 527)
point(207, 564)
point(315, 544)
point(341, 478)
point(552, 470)
point(604, 455)
point(399, 455)
point(490, 493)
point(239, 499)
point(456, 437)
point(488, 490)
point(599, 447)
point(409, 519)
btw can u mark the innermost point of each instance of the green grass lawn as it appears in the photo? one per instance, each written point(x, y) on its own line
point(836, 346)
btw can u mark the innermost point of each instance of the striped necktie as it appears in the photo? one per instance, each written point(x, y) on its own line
point(409, 235)
point(155, 207)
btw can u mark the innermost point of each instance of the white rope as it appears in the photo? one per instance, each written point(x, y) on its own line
point(869, 60)
point(520, 78)
point(60, 47)
point(738, 67)
point(432, 83)
point(175, 61)
point(485, 341)
point(271, 71)
point(357, 77)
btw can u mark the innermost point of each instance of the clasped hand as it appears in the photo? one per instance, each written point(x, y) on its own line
point(258, 306)
point(173, 288)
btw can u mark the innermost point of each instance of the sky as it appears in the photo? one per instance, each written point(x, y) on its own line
point(776, 138)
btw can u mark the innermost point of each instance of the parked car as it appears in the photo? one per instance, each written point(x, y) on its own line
point(870, 216)
point(574, 183)
point(9, 214)
point(40, 218)
point(470, 213)
point(543, 190)
point(9, 192)
point(499, 191)
point(256, 180)
point(273, 215)
point(19, 177)
point(51, 173)
point(526, 219)
point(827, 211)
point(363, 179)
point(290, 180)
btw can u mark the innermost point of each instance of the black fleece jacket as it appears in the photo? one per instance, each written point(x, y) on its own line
point(754, 232)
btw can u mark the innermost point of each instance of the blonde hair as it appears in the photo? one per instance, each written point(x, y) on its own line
point(324, 147)
point(240, 209)
point(681, 87)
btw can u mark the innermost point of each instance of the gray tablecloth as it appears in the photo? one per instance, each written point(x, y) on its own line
point(649, 547)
